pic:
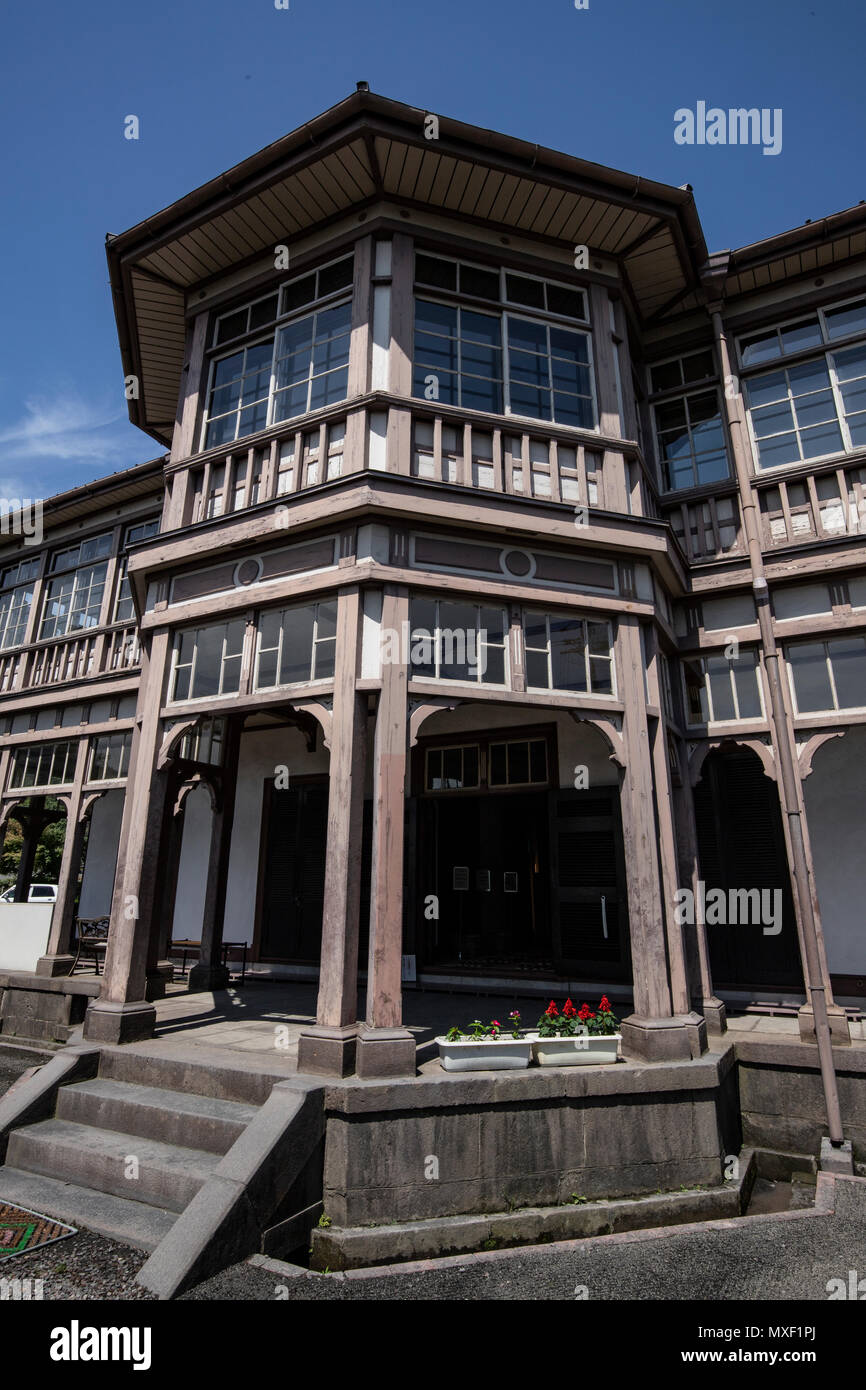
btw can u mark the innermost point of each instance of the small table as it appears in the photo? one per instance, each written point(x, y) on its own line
point(188, 947)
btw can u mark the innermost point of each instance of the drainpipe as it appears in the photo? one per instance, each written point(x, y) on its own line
point(810, 948)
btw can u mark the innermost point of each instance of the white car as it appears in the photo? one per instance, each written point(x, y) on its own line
point(39, 893)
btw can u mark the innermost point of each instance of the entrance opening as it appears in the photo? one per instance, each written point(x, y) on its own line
point(294, 839)
point(741, 846)
point(485, 859)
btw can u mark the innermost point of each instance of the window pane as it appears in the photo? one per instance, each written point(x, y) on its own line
point(521, 290)
point(811, 679)
point(538, 760)
point(430, 270)
point(721, 693)
point(536, 670)
point(746, 681)
point(849, 319)
point(484, 284)
point(296, 663)
point(209, 648)
point(518, 763)
point(497, 774)
point(848, 659)
point(567, 654)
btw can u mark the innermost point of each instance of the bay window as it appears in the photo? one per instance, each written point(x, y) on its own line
point(73, 596)
point(16, 597)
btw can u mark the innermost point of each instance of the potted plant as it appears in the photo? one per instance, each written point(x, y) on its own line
point(576, 1037)
point(486, 1047)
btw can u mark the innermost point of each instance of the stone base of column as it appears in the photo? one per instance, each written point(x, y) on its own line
point(715, 1016)
point(840, 1032)
point(385, 1052)
point(55, 965)
point(207, 978)
point(325, 1051)
point(679, 1038)
point(839, 1160)
point(158, 976)
point(119, 1023)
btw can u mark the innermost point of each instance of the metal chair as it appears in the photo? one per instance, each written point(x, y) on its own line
point(92, 934)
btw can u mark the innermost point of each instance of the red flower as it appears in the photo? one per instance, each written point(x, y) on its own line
point(552, 1010)
point(496, 1023)
point(585, 1012)
point(568, 1009)
point(604, 1006)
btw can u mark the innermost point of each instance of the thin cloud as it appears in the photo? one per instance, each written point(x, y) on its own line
point(66, 430)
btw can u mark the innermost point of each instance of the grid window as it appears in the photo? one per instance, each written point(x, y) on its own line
point(16, 597)
point(73, 601)
point(452, 769)
point(297, 367)
point(43, 765)
point(829, 675)
point(207, 661)
point(691, 440)
point(109, 757)
point(568, 653)
point(296, 644)
point(549, 373)
point(721, 690)
point(518, 763)
point(794, 415)
point(457, 641)
point(204, 743)
point(682, 371)
point(124, 609)
point(458, 356)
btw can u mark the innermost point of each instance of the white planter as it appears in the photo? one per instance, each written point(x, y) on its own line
point(500, 1054)
point(583, 1050)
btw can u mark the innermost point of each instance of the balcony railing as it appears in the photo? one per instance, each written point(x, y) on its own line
point(708, 528)
point(71, 659)
point(822, 504)
point(524, 461)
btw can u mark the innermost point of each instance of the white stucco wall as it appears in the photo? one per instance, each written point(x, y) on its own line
point(261, 752)
point(837, 827)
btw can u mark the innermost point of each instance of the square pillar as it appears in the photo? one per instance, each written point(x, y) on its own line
point(385, 1047)
point(656, 1031)
point(58, 958)
point(328, 1048)
point(209, 973)
point(122, 1013)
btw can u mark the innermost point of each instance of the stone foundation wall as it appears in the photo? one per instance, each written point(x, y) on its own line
point(43, 1009)
point(457, 1144)
point(782, 1100)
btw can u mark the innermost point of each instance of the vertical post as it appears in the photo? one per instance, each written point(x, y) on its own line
point(58, 958)
point(329, 1047)
point(654, 1032)
point(385, 1047)
point(210, 973)
point(32, 821)
point(819, 1018)
point(712, 1007)
point(122, 1013)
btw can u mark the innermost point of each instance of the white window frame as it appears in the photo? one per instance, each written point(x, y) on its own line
point(222, 693)
point(824, 642)
point(503, 646)
point(317, 641)
point(575, 618)
point(706, 692)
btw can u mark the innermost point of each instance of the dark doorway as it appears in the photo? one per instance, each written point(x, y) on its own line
point(485, 859)
point(741, 846)
point(590, 907)
point(294, 838)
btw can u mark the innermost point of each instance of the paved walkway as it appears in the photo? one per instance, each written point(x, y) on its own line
point(263, 1019)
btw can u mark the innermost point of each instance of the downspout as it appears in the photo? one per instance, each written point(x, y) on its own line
point(787, 768)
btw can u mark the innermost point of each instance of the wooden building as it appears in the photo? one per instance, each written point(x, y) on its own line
point(504, 577)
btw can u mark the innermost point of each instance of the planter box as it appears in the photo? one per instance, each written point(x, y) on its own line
point(584, 1050)
point(501, 1054)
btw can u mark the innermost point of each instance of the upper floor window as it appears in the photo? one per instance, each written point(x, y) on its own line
point(43, 765)
point(74, 594)
point(532, 365)
point(16, 596)
point(457, 641)
point(207, 661)
point(109, 757)
point(124, 609)
point(564, 652)
point(828, 675)
point(812, 407)
point(690, 437)
point(294, 368)
point(296, 644)
point(720, 689)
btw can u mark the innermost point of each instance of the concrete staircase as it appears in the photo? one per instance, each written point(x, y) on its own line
point(125, 1158)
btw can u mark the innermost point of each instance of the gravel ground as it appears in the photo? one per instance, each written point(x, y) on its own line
point(85, 1266)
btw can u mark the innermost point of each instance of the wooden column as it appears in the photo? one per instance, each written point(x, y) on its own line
point(160, 967)
point(122, 1013)
point(210, 973)
point(712, 1007)
point(58, 958)
point(385, 1047)
point(653, 1032)
point(329, 1047)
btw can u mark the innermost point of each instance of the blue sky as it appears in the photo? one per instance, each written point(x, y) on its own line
point(214, 80)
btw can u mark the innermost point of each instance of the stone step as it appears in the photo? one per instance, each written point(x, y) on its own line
point(247, 1082)
point(166, 1176)
point(171, 1117)
point(131, 1223)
